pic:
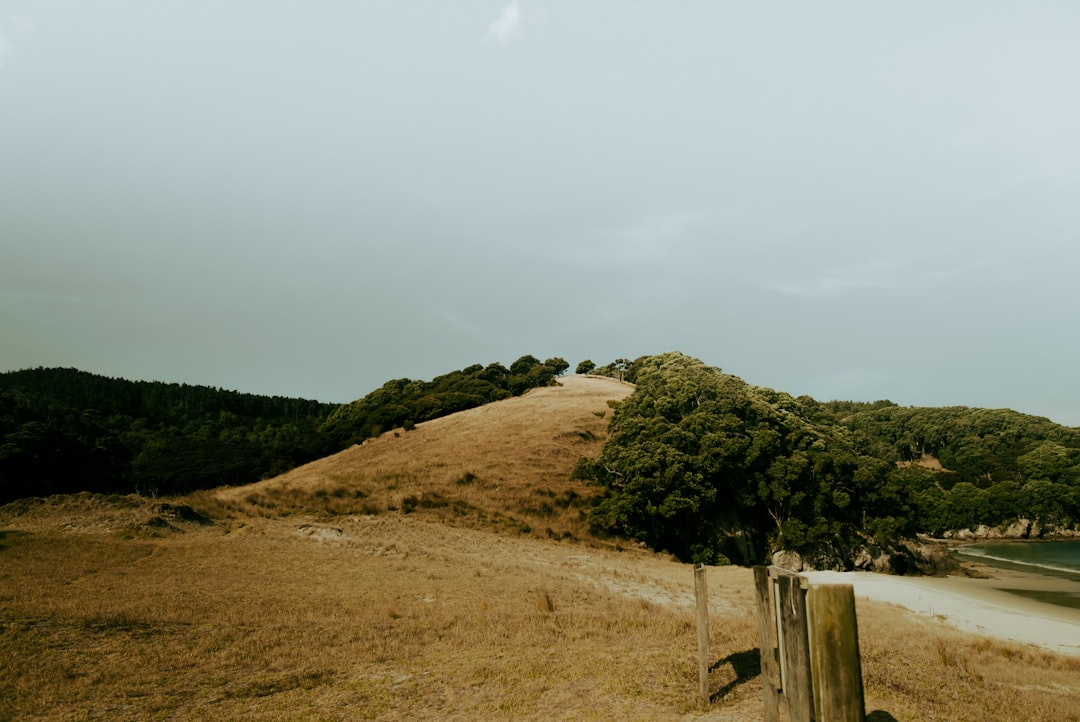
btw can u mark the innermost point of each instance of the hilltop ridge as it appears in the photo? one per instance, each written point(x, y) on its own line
point(507, 462)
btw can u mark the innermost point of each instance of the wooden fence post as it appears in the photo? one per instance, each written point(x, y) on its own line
point(768, 643)
point(810, 666)
point(834, 653)
point(794, 647)
point(701, 595)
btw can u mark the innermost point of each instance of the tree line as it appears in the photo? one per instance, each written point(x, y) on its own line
point(406, 402)
point(65, 430)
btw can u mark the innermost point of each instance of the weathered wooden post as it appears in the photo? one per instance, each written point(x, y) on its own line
point(794, 652)
point(701, 595)
point(785, 661)
point(768, 642)
point(810, 665)
point(835, 665)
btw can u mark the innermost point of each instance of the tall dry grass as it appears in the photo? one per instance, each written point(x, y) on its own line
point(390, 618)
point(394, 617)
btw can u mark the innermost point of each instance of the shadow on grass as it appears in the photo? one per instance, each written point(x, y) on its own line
point(14, 535)
point(747, 666)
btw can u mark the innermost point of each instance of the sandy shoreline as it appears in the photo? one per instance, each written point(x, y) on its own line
point(980, 606)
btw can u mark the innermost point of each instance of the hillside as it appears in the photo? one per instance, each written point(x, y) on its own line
point(297, 598)
point(506, 463)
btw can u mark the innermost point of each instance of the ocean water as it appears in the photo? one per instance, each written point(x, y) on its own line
point(1058, 561)
point(1056, 558)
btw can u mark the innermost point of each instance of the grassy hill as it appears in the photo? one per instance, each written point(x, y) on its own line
point(505, 464)
point(440, 573)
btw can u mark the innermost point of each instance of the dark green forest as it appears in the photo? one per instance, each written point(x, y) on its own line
point(65, 431)
point(710, 468)
point(997, 465)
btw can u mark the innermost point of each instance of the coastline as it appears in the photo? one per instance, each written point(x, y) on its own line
point(988, 600)
point(977, 563)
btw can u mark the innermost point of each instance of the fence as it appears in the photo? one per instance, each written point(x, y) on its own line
point(809, 643)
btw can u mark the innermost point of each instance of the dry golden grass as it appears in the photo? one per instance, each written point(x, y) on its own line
point(388, 617)
point(303, 606)
point(500, 465)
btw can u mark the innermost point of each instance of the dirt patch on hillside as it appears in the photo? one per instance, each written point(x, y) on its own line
point(926, 461)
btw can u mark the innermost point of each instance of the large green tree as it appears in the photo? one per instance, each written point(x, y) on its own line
point(710, 468)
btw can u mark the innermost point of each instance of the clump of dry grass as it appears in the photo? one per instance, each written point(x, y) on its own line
point(284, 501)
point(123, 515)
point(545, 602)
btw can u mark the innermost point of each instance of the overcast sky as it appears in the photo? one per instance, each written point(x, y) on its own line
point(852, 200)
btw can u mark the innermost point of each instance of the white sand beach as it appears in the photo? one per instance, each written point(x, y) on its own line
point(979, 606)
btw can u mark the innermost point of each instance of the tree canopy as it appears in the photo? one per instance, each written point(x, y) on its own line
point(710, 468)
point(403, 402)
point(64, 430)
point(994, 466)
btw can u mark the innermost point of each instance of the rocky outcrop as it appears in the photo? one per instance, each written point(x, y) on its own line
point(789, 560)
point(904, 556)
point(1019, 529)
point(911, 556)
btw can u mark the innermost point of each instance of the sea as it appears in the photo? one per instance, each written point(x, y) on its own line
point(1036, 556)
point(1054, 559)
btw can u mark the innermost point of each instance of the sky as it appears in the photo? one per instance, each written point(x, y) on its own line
point(847, 199)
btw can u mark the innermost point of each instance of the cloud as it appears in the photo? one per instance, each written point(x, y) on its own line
point(913, 274)
point(505, 27)
point(464, 325)
point(17, 25)
point(650, 238)
point(653, 236)
point(874, 275)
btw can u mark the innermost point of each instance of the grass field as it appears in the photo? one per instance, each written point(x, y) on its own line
point(326, 594)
